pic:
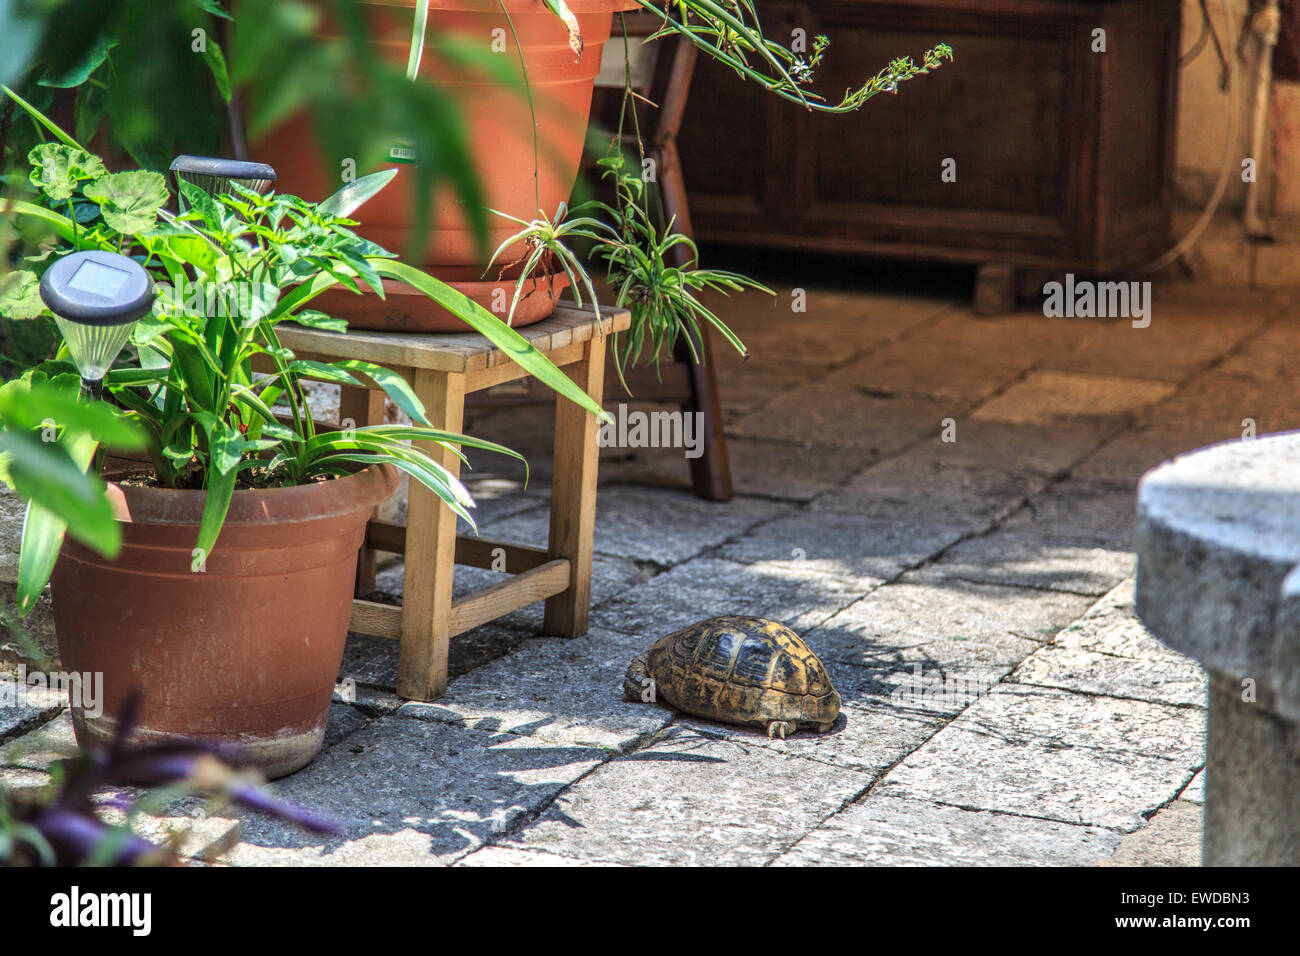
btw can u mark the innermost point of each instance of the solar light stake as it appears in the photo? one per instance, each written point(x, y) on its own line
point(96, 298)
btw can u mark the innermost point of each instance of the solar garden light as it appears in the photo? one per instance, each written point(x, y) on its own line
point(96, 298)
point(214, 175)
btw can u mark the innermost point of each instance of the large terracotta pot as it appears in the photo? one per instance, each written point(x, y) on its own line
point(243, 653)
point(500, 127)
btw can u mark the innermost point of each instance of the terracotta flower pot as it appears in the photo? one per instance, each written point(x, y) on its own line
point(244, 652)
point(502, 149)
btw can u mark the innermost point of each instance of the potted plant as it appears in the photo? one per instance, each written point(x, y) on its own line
point(527, 115)
point(229, 598)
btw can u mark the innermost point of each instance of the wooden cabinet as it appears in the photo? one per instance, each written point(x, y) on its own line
point(1064, 156)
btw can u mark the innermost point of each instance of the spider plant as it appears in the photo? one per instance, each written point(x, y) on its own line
point(547, 240)
point(230, 270)
point(730, 32)
point(653, 279)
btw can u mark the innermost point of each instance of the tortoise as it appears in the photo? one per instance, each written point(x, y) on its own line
point(740, 670)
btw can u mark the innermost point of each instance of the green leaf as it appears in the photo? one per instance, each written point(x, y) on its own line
point(45, 472)
point(396, 387)
point(214, 7)
point(129, 201)
point(488, 325)
point(216, 61)
point(221, 488)
point(257, 300)
point(41, 404)
point(348, 199)
point(59, 170)
point(20, 295)
point(198, 200)
point(43, 532)
point(313, 319)
point(79, 72)
point(321, 370)
point(41, 118)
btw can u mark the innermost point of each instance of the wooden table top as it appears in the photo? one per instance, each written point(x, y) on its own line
point(454, 351)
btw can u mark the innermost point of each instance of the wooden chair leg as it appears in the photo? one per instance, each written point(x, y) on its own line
point(711, 472)
point(362, 406)
point(430, 551)
point(573, 494)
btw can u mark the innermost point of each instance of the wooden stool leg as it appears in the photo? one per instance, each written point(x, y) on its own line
point(362, 406)
point(430, 551)
point(573, 494)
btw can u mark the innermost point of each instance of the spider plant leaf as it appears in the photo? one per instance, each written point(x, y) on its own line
point(561, 10)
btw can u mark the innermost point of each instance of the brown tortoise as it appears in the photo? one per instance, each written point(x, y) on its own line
point(741, 670)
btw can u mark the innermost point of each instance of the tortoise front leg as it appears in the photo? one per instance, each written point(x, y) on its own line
point(779, 728)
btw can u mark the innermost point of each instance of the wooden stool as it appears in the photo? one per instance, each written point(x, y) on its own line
point(443, 369)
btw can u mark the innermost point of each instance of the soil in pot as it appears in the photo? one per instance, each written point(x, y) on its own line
point(239, 648)
point(502, 147)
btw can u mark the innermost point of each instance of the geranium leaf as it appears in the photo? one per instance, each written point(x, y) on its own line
point(129, 202)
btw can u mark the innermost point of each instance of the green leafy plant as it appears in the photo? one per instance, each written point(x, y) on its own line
point(229, 271)
point(641, 267)
point(654, 270)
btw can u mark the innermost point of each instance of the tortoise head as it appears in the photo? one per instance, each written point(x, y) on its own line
point(638, 685)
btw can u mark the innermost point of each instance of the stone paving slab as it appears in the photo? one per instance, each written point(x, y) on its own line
point(688, 799)
point(23, 706)
point(759, 468)
point(951, 375)
point(1130, 454)
point(1046, 396)
point(921, 607)
point(508, 856)
point(650, 524)
point(1027, 558)
point(1223, 397)
point(1108, 651)
point(824, 415)
point(1101, 512)
point(564, 691)
point(1195, 791)
point(918, 649)
point(24, 761)
point(898, 831)
point(1035, 449)
point(414, 791)
point(842, 544)
point(867, 737)
point(799, 598)
point(1057, 755)
point(1181, 340)
point(911, 487)
point(745, 387)
point(1172, 838)
point(1180, 683)
point(835, 324)
point(373, 660)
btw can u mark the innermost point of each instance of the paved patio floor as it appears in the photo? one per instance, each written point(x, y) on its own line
point(1046, 727)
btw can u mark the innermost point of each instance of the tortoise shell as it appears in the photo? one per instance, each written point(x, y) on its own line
point(740, 670)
